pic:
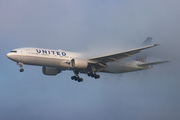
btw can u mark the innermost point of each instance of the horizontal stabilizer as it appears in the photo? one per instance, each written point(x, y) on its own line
point(152, 63)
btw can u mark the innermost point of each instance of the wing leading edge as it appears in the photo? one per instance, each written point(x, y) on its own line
point(121, 55)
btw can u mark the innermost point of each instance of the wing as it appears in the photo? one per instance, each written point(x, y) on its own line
point(121, 55)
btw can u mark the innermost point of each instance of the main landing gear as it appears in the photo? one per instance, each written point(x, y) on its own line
point(21, 65)
point(93, 75)
point(76, 77)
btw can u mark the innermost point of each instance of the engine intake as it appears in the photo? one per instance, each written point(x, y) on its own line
point(79, 63)
point(50, 70)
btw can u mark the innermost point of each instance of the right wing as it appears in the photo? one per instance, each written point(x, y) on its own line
point(118, 56)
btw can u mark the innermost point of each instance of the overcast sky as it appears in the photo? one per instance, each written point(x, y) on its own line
point(96, 27)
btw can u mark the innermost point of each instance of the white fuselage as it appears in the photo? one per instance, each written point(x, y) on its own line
point(59, 58)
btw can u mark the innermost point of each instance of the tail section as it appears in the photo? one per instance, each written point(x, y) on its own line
point(147, 41)
point(142, 57)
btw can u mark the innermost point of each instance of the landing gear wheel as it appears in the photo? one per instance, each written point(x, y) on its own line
point(80, 80)
point(97, 76)
point(93, 75)
point(21, 70)
point(73, 77)
point(89, 74)
point(76, 78)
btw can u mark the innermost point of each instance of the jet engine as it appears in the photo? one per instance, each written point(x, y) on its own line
point(79, 63)
point(50, 70)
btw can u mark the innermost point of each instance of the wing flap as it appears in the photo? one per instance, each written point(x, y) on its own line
point(121, 55)
point(152, 63)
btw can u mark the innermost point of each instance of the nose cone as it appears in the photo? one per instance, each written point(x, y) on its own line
point(11, 56)
point(8, 55)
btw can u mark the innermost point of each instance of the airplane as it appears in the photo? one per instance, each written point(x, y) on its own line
point(54, 62)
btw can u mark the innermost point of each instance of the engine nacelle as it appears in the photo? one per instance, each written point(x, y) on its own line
point(50, 70)
point(79, 63)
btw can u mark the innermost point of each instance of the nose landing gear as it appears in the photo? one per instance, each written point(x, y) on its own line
point(21, 65)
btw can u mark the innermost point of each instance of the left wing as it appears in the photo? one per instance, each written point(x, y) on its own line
point(118, 56)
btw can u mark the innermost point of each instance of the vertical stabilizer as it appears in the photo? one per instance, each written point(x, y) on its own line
point(142, 57)
point(147, 41)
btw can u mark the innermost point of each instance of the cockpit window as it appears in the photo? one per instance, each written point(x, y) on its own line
point(13, 51)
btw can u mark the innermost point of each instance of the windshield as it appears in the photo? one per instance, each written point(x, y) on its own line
point(14, 51)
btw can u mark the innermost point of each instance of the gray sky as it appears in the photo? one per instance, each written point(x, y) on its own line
point(96, 27)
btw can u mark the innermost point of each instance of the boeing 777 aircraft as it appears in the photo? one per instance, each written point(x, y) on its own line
point(55, 61)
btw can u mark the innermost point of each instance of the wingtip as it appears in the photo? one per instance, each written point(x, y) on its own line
point(156, 44)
